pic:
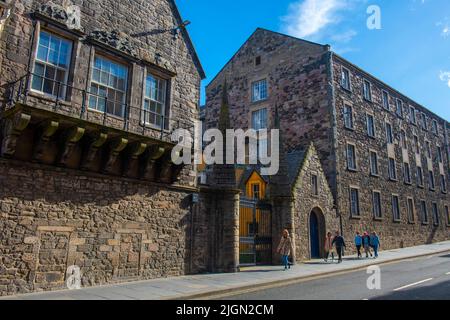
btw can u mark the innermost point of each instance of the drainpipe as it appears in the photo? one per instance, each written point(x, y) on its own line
point(331, 94)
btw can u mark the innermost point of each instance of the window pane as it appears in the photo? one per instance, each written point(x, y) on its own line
point(42, 53)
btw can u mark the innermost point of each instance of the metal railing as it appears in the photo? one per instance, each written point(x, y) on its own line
point(78, 100)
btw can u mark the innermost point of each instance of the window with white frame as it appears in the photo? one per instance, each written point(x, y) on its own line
point(389, 134)
point(417, 144)
point(407, 173)
point(423, 212)
point(51, 65)
point(259, 90)
point(396, 208)
point(354, 202)
point(155, 101)
point(434, 127)
point(371, 125)
point(386, 100)
point(108, 86)
point(259, 122)
point(348, 117)
point(374, 163)
point(428, 147)
point(436, 220)
point(259, 119)
point(367, 90)
point(412, 115)
point(392, 169)
point(420, 176)
point(351, 157)
point(411, 215)
point(431, 181)
point(376, 205)
point(443, 184)
point(399, 110)
point(403, 139)
point(345, 79)
point(424, 122)
point(439, 154)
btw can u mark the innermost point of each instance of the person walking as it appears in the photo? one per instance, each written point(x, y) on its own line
point(358, 244)
point(285, 249)
point(375, 243)
point(329, 247)
point(339, 242)
point(366, 244)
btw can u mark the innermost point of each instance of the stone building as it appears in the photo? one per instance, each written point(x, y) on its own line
point(385, 157)
point(90, 94)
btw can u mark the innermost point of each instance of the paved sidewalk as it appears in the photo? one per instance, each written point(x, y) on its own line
point(198, 286)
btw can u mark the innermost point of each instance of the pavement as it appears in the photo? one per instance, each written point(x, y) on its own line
point(215, 286)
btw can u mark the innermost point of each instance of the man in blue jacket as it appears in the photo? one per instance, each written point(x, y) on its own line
point(375, 243)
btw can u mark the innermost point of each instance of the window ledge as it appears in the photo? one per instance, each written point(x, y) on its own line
point(48, 98)
point(355, 217)
point(349, 129)
point(397, 221)
point(352, 170)
point(348, 90)
point(378, 219)
point(375, 175)
point(412, 222)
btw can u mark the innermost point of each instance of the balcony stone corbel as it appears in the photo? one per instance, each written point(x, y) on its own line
point(149, 159)
point(48, 130)
point(70, 139)
point(135, 151)
point(115, 148)
point(166, 170)
point(95, 143)
point(12, 128)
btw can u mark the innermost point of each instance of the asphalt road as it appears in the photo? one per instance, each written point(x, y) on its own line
point(416, 279)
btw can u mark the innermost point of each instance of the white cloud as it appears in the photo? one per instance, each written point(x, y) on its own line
point(445, 76)
point(306, 18)
point(344, 37)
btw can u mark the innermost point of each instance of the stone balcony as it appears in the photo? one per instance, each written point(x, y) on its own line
point(65, 133)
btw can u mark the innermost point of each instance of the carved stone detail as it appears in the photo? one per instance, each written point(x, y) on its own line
point(115, 148)
point(149, 162)
point(91, 151)
point(67, 14)
point(135, 151)
point(114, 39)
point(166, 169)
point(12, 129)
point(48, 130)
point(70, 139)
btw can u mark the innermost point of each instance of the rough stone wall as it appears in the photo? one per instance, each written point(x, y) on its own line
point(402, 233)
point(296, 73)
point(304, 202)
point(114, 229)
point(216, 231)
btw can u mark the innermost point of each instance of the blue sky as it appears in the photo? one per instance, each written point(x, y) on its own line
point(411, 51)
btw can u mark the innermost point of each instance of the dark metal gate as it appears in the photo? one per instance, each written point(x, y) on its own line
point(255, 231)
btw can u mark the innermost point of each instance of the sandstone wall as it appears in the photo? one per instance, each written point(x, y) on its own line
point(394, 234)
point(113, 229)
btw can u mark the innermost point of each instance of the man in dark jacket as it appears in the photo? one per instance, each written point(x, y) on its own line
point(339, 242)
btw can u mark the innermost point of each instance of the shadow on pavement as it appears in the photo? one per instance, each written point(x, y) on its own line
point(440, 291)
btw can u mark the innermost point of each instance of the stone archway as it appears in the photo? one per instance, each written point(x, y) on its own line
point(317, 233)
